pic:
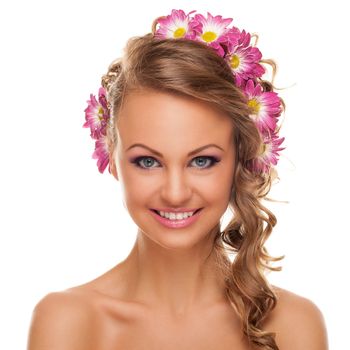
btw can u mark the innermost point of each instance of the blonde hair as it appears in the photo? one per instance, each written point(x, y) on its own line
point(188, 68)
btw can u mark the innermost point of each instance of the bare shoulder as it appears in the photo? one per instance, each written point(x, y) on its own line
point(297, 322)
point(61, 320)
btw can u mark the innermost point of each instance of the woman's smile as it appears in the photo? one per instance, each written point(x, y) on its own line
point(176, 220)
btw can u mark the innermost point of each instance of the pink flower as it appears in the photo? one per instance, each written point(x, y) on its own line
point(101, 154)
point(97, 114)
point(213, 31)
point(96, 118)
point(244, 59)
point(177, 25)
point(265, 106)
point(269, 153)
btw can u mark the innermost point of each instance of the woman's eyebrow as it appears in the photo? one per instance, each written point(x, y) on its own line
point(160, 155)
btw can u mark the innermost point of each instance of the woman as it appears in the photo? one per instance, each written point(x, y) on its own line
point(189, 128)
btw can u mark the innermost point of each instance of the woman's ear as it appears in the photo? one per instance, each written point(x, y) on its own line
point(112, 165)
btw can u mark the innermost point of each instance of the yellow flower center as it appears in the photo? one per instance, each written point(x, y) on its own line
point(179, 32)
point(262, 149)
point(100, 113)
point(209, 36)
point(234, 61)
point(254, 105)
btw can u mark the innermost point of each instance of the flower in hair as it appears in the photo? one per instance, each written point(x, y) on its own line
point(177, 25)
point(211, 30)
point(269, 153)
point(265, 106)
point(244, 60)
point(97, 114)
point(96, 118)
point(101, 153)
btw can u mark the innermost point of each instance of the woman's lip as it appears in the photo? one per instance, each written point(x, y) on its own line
point(178, 223)
point(179, 210)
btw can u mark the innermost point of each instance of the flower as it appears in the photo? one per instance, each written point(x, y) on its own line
point(213, 31)
point(265, 106)
point(97, 114)
point(244, 59)
point(97, 117)
point(101, 153)
point(177, 25)
point(269, 153)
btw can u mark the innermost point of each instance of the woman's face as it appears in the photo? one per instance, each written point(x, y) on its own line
point(175, 175)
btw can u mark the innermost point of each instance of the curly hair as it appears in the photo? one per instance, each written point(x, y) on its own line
point(188, 68)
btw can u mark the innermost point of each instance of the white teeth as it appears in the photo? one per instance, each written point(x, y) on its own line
point(175, 216)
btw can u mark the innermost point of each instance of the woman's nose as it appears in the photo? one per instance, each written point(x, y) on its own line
point(176, 189)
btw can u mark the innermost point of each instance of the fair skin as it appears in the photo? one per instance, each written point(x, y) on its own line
point(173, 260)
point(167, 293)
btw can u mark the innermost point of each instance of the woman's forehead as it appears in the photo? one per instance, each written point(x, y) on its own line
point(155, 113)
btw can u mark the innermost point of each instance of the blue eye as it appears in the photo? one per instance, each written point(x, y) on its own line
point(205, 160)
point(149, 161)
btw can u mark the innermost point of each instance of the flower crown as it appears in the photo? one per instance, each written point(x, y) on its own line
point(244, 60)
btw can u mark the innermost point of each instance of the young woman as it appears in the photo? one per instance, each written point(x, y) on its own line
point(188, 126)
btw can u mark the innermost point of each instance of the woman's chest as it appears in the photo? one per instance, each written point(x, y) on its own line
point(158, 332)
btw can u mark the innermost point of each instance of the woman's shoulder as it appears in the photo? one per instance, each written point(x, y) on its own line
point(289, 299)
point(297, 321)
point(57, 317)
point(72, 298)
point(82, 299)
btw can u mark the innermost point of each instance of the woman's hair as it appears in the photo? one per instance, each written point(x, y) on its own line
point(192, 69)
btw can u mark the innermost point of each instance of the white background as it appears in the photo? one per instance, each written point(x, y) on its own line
point(63, 223)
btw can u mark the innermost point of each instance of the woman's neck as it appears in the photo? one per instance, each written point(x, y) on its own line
point(175, 280)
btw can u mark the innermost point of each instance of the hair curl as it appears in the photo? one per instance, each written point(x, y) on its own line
point(188, 68)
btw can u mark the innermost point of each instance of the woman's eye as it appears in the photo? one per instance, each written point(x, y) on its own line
point(203, 162)
point(147, 162)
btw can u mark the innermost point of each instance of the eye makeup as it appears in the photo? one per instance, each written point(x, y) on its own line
point(137, 161)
